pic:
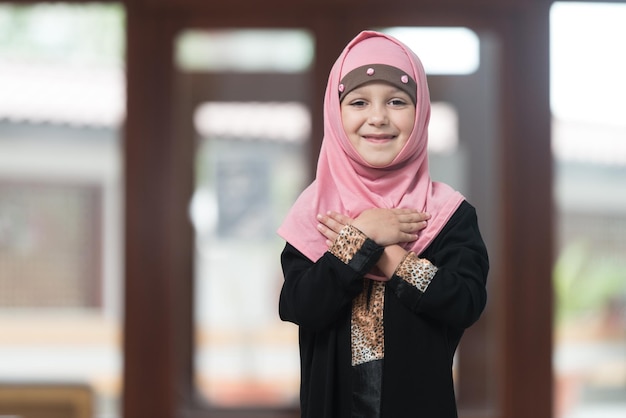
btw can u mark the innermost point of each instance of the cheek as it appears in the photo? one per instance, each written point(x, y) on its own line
point(348, 122)
point(409, 122)
point(344, 120)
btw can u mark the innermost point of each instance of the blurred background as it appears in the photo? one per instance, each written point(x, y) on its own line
point(62, 224)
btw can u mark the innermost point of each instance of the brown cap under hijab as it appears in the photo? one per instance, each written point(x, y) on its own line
point(378, 72)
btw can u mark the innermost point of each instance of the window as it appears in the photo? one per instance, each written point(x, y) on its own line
point(589, 150)
point(252, 136)
point(61, 108)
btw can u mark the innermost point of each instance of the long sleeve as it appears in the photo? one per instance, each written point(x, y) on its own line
point(456, 294)
point(315, 294)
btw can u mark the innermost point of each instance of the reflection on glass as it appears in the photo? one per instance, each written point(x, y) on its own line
point(251, 164)
point(245, 50)
point(589, 145)
point(61, 106)
point(247, 176)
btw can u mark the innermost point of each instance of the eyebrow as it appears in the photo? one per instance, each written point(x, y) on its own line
point(395, 88)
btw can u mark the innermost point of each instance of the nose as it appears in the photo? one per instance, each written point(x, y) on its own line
point(377, 115)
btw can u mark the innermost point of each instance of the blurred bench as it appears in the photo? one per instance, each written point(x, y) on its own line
point(49, 400)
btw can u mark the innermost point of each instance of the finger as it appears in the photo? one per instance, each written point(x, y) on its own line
point(407, 237)
point(425, 216)
point(330, 222)
point(327, 232)
point(401, 211)
point(414, 217)
point(340, 218)
point(414, 213)
point(420, 226)
point(413, 226)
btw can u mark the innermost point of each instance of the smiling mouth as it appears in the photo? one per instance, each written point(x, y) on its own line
point(379, 137)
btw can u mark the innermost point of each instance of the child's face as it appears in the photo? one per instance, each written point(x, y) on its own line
point(378, 119)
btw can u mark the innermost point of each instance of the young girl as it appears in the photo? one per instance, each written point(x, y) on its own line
point(384, 268)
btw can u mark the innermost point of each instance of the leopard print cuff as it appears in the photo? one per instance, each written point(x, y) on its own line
point(347, 243)
point(416, 271)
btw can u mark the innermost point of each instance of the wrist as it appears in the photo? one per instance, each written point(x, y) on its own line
point(391, 258)
point(416, 271)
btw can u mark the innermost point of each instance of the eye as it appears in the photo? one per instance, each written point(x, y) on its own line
point(358, 103)
point(398, 102)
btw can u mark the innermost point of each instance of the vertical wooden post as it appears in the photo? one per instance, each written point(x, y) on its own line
point(527, 218)
point(153, 205)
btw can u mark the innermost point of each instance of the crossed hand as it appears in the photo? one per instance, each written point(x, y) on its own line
point(383, 226)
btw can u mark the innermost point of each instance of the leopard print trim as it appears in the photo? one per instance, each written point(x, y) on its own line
point(416, 271)
point(367, 332)
point(347, 243)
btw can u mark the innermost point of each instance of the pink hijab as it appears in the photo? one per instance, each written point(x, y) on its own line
point(345, 183)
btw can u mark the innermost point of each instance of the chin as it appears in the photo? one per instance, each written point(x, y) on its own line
point(378, 164)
